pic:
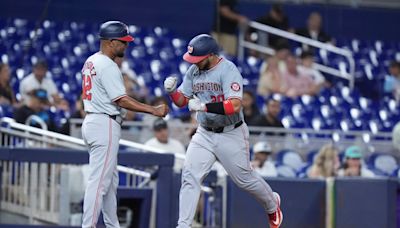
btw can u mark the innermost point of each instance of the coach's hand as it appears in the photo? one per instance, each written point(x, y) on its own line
point(196, 105)
point(160, 110)
point(170, 84)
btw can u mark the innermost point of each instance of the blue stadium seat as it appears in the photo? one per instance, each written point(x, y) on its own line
point(385, 163)
point(285, 171)
point(290, 158)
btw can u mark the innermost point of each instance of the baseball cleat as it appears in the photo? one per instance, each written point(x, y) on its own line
point(276, 218)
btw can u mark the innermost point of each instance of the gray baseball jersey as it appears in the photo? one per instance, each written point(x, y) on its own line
point(220, 83)
point(102, 84)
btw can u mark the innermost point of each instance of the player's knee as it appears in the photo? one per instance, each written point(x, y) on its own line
point(190, 176)
point(245, 181)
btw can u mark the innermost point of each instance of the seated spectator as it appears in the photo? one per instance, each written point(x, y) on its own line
point(282, 52)
point(271, 117)
point(6, 92)
point(392, 81)
point(276, 18)
point(352, 166)
point(162, 140)
point(314, 30)
point(294, 83)
point(261, 162)
point(307, 68)
point(326, 163)
point(78, 114)
point(38, 79)
point(250, 109)
point(38, 102)
point(134, 88)
point(270, 79)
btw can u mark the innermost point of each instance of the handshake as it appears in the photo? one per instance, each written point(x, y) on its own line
point(194, 104)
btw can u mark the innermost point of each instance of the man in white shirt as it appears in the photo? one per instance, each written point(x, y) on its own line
point(261, 163)
point(162, 140)
point(38, 80)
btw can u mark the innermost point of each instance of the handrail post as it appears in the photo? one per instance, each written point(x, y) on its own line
point(240, 43)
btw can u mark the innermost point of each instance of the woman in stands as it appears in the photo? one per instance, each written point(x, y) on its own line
point(6, 92)
point(326, 163)
point(352, 166)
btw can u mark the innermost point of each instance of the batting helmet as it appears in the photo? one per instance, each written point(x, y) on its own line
point(200, 47)
point(115, 30)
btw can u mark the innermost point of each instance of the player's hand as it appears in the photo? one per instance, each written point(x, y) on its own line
point(170, 84)
point(196, 105)
point(160, 110)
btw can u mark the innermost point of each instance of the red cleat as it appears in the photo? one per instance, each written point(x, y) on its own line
point(276, 218)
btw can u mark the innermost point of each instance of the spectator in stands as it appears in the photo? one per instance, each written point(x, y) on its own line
point(227, 21)
point(162, 140)
point(392, 81)
point(134, 88)
point(261, 162)
point(148, 119)
point(250, 109)
point(352, 166)
point(314, 30)
point(276, 18)
point(271, 118)
point(282, 52)
point(270, 80)
point(37, 105)
point(307, 68)
point(294, 83)
point(326, 163)
point(78, 114)
point(6, 92)
point(39, 79)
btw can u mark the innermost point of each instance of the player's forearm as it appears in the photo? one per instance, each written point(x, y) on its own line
point(133, 105)
point(179, 99)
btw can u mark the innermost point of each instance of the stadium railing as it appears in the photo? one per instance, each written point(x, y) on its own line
point(22, 179)
point(301, 140)
point(342, 73)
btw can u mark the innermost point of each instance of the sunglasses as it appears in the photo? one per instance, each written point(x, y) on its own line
point(124, 42)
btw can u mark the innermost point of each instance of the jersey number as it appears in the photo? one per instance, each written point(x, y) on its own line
point(86, 87)
point(218, 98)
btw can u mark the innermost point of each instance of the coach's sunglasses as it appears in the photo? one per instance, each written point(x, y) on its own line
point(124, 42)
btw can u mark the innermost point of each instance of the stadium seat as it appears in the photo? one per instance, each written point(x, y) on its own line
point(385, 163)
point(290, 158)
point(285, 171)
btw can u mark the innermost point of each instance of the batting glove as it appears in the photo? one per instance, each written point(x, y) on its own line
point(170, 84)
point(196, 105)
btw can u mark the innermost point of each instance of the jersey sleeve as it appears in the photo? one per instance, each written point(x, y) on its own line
point(232, 83)
point(186, 86)
point(112, 81)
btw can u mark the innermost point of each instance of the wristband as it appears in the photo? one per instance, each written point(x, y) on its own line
point(222, 108)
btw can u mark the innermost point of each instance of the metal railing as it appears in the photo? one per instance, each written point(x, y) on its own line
point(301, 140)
point(33, 189)
point(291, 36)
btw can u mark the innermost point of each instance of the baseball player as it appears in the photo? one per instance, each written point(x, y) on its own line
point(105, 101)
point(213, 88)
